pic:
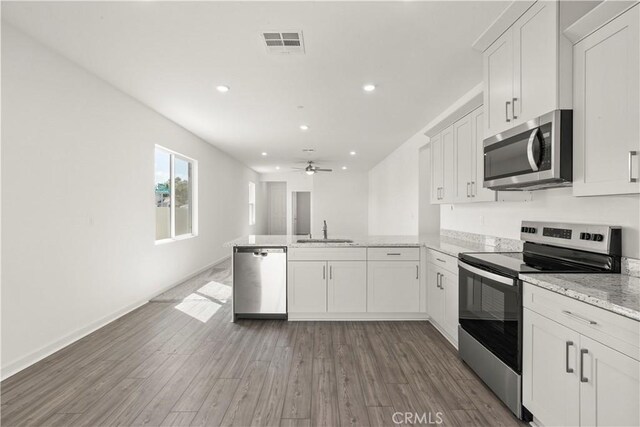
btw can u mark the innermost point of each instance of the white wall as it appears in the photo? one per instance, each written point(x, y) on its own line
point(338, 197)
point(77, 191)
point(503, 218)
point(393, 191)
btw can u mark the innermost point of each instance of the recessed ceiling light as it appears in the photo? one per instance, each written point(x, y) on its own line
point(222, 88)
point(344, 168)
point(277, 168)
point(304, 127)
point(353, 153)
point(369, 87)
point(264, 153)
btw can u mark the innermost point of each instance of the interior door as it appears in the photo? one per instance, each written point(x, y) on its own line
point(277, 212)
point(498, 79)
point(550, 369)
point(535, 58)
point(347, 287)
point(610, 386)
point(463, 153)
point(606, 109)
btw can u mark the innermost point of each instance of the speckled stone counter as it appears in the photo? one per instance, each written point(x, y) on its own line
point(617, 293)
point(453, 247)
point(358, 241)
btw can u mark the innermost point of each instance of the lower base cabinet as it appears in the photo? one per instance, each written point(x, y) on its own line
point(573, 380)
point(442, 296)
point(394, 287)
point(347, 287)
point(307, 287)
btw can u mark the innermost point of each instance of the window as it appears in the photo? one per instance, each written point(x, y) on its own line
point(175, 195)
point(252, 203)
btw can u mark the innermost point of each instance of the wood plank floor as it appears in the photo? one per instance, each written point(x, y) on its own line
point(180, 362)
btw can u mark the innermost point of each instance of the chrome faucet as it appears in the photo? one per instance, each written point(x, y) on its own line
point(324, 229)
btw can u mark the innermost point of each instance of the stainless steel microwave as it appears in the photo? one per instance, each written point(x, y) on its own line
point(532, 156)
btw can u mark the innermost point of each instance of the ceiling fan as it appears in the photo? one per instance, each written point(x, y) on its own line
point(310, 169)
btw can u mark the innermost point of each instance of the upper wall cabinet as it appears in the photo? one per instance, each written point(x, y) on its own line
point(526, 70)
point(606, 114)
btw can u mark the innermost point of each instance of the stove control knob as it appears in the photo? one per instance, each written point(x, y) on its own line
point(582, 236)
point(532, 229)
point(598, 237)
point(587, 236)
point(523, 229)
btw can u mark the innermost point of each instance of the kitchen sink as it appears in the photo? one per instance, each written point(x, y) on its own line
point(325, 241)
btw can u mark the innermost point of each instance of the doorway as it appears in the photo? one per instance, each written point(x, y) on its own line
point(277, 208)
point(301, 208)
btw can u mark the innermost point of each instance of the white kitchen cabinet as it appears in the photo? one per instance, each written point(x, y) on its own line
point(580, 363)
point(464, 154)
point(347, 287)
point(478, 192)
point(448, 166)
point(610, 388)
point(551, 387)
point(442, 293)
point(524, 70)
point(436, 168)
point(606, 127)
point(393, 286)
point(307, 287)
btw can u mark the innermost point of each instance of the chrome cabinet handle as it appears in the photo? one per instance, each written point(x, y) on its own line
point(580, 318)
point(468, 184)
point(324, 272)
point(631, 154)
point(506, 110)
point(394, 253)
point(513, 108)
point(583, 379)
point(438, 280)
point(567, 368)
point(417, 272)
point(331, 272)
point(473, 189)
point(441, 260)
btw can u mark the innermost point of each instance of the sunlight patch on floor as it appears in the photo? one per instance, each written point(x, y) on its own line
point(198, 308)
point(216, 290)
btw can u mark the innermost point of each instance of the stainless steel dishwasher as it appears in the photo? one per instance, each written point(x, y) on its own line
point(259, 282)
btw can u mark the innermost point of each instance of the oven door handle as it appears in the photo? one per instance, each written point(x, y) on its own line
point(482, 273)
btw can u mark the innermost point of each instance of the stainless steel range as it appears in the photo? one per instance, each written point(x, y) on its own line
point(490, 299)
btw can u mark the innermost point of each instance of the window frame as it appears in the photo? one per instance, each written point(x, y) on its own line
point(194, 195)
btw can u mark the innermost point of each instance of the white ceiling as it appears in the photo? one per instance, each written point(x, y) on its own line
point(172, 55)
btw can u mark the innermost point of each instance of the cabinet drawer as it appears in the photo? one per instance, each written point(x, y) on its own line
point(444, 261)
point(393, 254)
point(327, 254)
point(613, 330)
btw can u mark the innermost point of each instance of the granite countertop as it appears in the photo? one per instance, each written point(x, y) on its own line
point(454, 247)
point(358, 241)
point(617, 293)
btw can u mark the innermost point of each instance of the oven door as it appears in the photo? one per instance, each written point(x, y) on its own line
point(490, 310)
point(520, 156)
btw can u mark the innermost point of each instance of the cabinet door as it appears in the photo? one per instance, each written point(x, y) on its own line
point(550, 369)
point(393, 287)
point(498, 84)
point(307, 286)
point(435, 296)
point(463, 153)
point(606, 128)
point(479, 193)
point(448, 166)
point(610, 387)
point(449, 287)
point(436, 168)
point(347, 287)
point(535, 62)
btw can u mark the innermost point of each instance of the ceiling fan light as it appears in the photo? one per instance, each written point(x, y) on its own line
point(310, 171)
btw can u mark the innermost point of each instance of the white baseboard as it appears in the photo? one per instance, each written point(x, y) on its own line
point(190, 276)
point(34, 357)
point(28, 360)
point(354, 317)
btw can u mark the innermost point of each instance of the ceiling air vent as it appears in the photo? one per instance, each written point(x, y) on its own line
point(285, 42)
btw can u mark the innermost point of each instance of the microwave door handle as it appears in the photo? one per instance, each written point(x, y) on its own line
point(487, 275)
point(532, 161)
